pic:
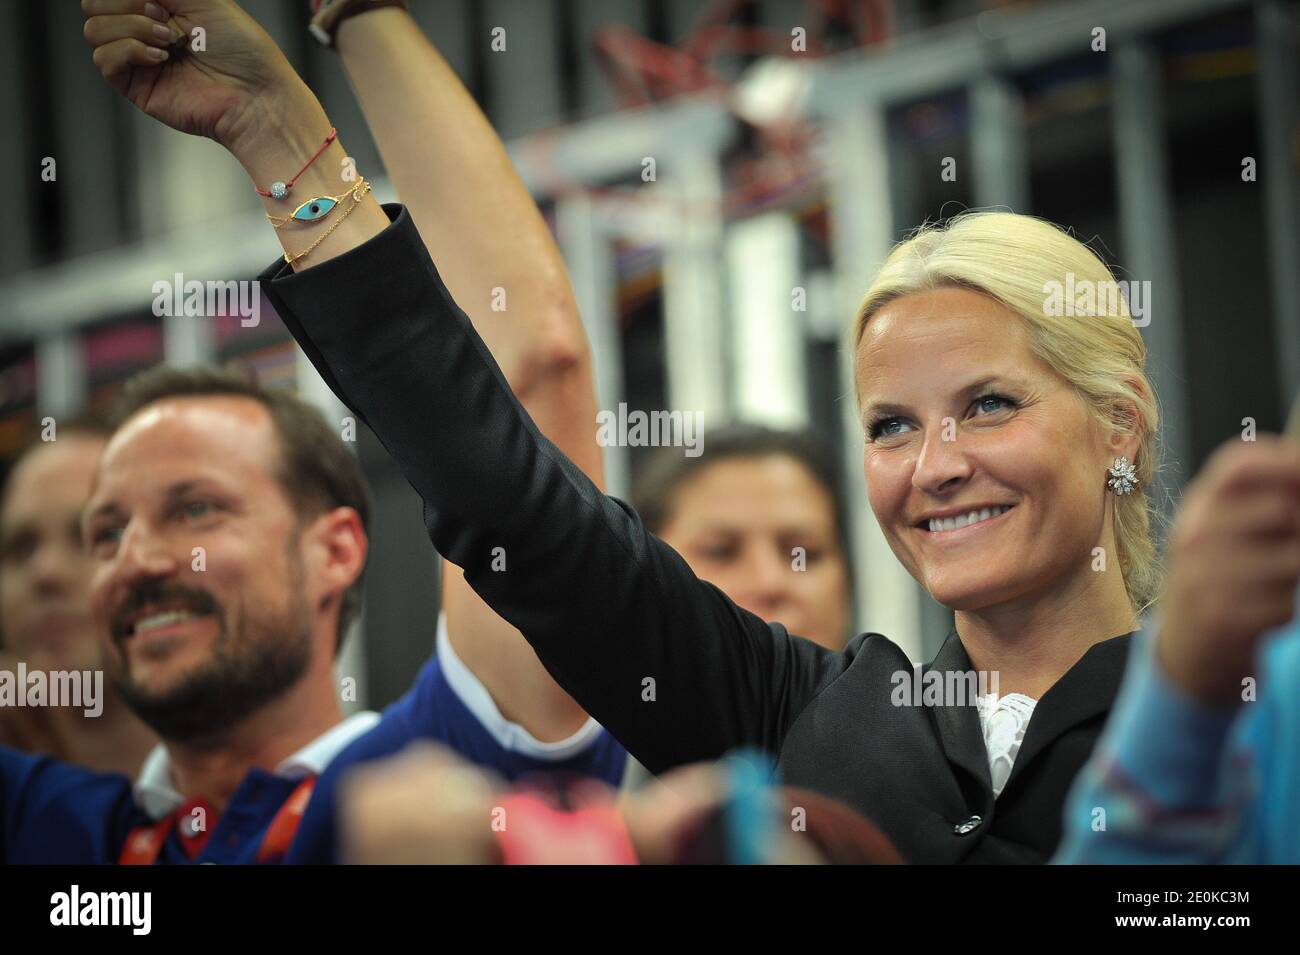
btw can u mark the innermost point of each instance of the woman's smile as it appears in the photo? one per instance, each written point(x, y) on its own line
point(963, 525)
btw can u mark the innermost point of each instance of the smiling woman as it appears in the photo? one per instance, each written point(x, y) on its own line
point(991, 436)
point(1008, 402)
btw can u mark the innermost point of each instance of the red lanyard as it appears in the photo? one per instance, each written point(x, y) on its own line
point(145, 843)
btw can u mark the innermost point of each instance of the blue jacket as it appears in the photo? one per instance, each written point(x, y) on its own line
point(51, 812)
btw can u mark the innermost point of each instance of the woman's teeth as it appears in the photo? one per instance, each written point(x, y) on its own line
point(974, 517)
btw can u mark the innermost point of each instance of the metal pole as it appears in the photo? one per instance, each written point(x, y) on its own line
point(591, 266)
point(771, 354)
point(1276, 30)
point(60, 375)
point(1147, 232)
point(889, 599)
point(998, 144)
point(695, 320)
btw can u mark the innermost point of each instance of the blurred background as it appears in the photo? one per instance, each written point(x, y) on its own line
point(722, 177)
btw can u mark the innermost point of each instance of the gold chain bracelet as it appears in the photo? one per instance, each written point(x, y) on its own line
point(358, 193)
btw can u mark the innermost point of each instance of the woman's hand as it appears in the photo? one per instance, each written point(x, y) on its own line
point(1234, 566)
point(218, 74)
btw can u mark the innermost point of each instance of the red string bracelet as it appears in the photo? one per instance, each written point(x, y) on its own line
point(279, 190)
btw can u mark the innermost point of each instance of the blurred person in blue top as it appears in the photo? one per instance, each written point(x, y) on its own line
point(1200, 762)
point(227, 523)
point(45, 620)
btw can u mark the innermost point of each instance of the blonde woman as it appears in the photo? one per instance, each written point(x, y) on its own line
point(1006, 457)
point(1008, 452)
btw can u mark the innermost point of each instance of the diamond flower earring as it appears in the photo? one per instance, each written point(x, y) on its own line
point(1123, 476)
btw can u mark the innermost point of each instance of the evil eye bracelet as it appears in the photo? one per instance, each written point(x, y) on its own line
point(313, 210)
point(358, 193)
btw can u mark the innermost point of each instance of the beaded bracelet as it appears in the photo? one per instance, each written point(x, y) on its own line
point(281, 189)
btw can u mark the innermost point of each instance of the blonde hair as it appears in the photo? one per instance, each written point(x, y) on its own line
point(1016, 260)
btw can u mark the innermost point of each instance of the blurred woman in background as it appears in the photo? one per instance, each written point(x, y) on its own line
point(44, 603)
point(760, 515)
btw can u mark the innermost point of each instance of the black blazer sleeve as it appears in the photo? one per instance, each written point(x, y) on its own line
point(663, 660)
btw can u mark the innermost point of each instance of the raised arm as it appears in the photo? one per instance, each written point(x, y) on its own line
point(666, 662)
point(479, 222)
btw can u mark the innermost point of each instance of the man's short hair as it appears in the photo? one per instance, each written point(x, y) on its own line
point(317, 471)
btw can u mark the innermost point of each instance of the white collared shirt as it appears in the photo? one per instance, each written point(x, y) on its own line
point(157, 795)
point(510, 736)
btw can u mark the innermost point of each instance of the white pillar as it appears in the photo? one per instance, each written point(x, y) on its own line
point(695, 324)
point(771, 384)
point(862, 228)
point(60, 375)
point(591, 266)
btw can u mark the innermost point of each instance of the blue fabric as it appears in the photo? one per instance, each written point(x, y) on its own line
point(433, 711)
point(1176, 781)
point(51, 812)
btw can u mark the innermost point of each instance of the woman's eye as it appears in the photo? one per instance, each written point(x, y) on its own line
point(991, 403)
point(892, 427)
point(886, 428)
point(197, 509)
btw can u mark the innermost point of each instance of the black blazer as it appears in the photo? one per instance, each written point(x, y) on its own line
point(675, 670)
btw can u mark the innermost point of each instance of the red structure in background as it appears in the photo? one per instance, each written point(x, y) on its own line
point(644, 71)
point(776, 163)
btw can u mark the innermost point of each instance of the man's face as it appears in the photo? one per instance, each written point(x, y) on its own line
point(44, 571)
point(198, 589)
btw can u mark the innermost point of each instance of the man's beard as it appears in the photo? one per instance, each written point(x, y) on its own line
point(246, 671)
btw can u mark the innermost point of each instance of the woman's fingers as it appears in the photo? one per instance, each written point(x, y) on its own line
point(148, 8)
point(115, 60)
point(1241, 467)
point(1234, 566)
point(1270, 512)
point(1246, 491)
point(100, 31)
point(1240, 548)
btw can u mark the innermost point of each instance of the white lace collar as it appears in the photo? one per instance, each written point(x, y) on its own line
point(1004, 721)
